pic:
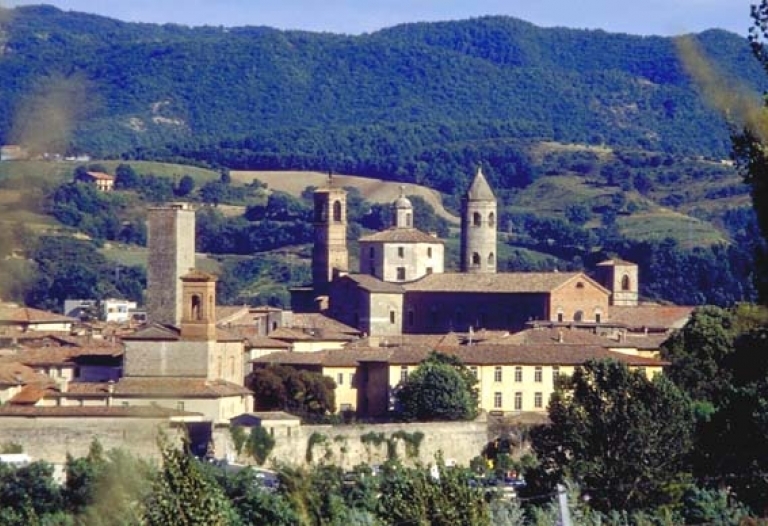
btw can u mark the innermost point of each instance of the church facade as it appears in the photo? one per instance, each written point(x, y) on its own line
point(402, 286)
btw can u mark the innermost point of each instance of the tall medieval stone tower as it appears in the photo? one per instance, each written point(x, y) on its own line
point(329, 252)
point(171, 242)
point(478, 227)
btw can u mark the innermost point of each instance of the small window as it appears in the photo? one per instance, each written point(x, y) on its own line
point(491, 259)
point(400, 273)
point(555, 373)
point(497, 374)
point(408, 220)
point(429, 252)
point(476, 219)
point(497, 400)
point(429, 270)
point(491, 220)
point(475, 259)
point(518, 401)
point(560, 317)
point(518, 374)
point(597, 317)
point(403, 373)
point(340, 379)
point(580, 285)
point(537, 375)
point(352, 379)
point(392, 317)
point(337, 211)
point(538, 400)
point(401, 252)
point(578, 316)
point(625, 283)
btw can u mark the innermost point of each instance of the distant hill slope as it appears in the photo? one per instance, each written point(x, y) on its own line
point(122, 87)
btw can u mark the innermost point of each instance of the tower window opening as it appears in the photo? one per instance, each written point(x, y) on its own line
point(578, 316)
point(196, 308)
point(408, 220)
point(625, 283)
point(337, 211)
point(475, 259)
point(491, 259)
point(476, 219)
point(491, 220)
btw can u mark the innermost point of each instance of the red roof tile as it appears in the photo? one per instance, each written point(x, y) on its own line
point(178, 387)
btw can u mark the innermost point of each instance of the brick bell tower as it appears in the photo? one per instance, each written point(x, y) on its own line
point(329, 253)
point(198, 315)
point(478, 227)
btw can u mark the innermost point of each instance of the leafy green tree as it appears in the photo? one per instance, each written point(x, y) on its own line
point(186, 186)
point(697, 353)
point(623, 438)
point(441, 388)
point(184, 494)
point(126, 177)
point(416, 496)
point(253, 503)
point(307, 394)
point(29, 491)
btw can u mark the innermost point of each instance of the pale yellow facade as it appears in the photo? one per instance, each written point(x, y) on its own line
point(346, 392)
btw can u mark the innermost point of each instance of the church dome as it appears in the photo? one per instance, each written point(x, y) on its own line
point(402, 201)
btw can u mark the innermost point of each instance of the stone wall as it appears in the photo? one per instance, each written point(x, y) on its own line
point(52, 438)
point(350, 445)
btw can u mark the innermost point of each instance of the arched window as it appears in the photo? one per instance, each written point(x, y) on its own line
point(578, 316)
point(475, 259)
point(337, 211)
point(625, 283)
point(408, 220)
point(491, 220)
point(476, 219)
point(196, 314)
point(491, 259)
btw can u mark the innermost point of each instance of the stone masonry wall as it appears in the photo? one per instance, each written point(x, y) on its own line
point(343, 445)
point(52, 438)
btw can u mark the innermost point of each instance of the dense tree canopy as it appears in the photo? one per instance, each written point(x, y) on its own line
point(623, 438)
point(441, 388)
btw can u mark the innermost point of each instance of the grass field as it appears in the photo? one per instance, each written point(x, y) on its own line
point(373, 190)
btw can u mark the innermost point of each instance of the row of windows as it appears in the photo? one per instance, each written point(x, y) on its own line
point(578, 316)
point(538, 373)
point(400, 252)
point(477, 219)
point(538, 400)
point(340, 379)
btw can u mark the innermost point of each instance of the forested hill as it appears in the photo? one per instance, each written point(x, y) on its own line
point(256, 97)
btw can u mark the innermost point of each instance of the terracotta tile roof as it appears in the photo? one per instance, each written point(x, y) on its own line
point(544, 354)
point(150, 411)
point(27, 315)
point(15, 373)
point(255, 340)
point(316, 320)
point(616, 261)
point(160, 332)
point(101, 175)
point(195, 274)
point(651, 316)
point(644, 342)
point(562, 336)
point(504, 283)
point(41, 356)
point(401, 235)
point(227, 313)
point(177, 387)
point(373, 284)
point(29, 395)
